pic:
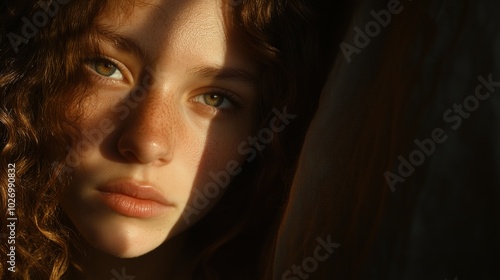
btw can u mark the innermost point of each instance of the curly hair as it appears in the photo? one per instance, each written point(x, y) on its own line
point(43, 61)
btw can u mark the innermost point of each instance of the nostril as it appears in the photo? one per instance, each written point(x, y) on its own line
point(143, 151)
point(130, 156)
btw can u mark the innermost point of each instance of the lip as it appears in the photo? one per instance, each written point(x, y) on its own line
point(133, 199)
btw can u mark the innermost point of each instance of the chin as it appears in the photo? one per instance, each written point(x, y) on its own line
point(122, 237)
point(126, 247)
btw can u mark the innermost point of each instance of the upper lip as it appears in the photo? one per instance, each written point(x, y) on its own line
point(139, 190)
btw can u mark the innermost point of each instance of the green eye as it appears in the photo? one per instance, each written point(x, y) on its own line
point(214, 100)
point(107, 68)
point(219, 99)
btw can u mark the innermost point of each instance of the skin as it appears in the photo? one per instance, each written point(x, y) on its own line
point(171, 139)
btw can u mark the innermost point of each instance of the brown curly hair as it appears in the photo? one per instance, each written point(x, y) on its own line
point(39, 68)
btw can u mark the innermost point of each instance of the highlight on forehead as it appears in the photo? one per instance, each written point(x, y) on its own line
point(122, 9)
point(122, 13)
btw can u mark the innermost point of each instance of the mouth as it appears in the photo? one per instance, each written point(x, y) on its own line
point(133, 199)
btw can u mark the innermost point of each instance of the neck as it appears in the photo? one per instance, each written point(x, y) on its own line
point(173, 260)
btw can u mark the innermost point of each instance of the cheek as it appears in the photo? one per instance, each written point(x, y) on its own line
point(221, 145)
point(95, 116)
point(219, 163)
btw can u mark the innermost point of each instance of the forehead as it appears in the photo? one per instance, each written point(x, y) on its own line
point(164, 11)
point(188, 26)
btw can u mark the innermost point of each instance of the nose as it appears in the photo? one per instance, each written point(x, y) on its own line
point(147, 134)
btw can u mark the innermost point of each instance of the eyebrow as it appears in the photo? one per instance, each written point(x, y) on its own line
point(125, 43)
point(224, 73)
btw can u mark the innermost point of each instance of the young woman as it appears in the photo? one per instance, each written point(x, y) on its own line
point(123, 123)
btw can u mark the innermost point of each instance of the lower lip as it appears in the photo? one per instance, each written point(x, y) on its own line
point(133, 207)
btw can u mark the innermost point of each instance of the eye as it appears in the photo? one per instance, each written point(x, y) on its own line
point(106, 68)
point(219, 99)
point(215, 100)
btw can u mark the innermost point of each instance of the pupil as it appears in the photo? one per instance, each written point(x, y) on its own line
point(213, 100)
point(106, 69)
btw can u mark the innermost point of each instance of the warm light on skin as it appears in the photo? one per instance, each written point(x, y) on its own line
point(171, 139)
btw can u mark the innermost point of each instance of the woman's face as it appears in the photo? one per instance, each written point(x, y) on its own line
point(172, 99)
